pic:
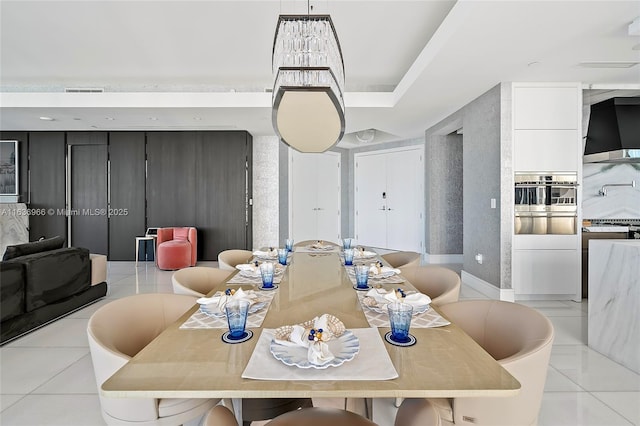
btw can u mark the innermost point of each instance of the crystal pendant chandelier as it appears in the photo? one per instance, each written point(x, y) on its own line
point(308, 104)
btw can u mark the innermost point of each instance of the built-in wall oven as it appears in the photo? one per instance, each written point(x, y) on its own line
point(546, 203)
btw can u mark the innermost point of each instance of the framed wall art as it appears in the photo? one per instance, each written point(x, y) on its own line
point(8, 168)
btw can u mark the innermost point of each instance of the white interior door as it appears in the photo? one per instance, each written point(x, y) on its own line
point(370, 203)
point(314, 187)
point(405, 201)
point(328, 196)
point(390, 199)
point(303, 197)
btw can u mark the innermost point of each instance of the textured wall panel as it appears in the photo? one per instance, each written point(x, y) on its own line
point(266, 191)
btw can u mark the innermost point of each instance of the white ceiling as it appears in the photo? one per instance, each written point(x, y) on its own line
point(206, 64)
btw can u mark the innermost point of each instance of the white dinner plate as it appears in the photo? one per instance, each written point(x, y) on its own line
point(344, 348)
point(321, 248)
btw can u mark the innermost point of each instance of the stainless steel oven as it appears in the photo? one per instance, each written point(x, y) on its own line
point(546, 203)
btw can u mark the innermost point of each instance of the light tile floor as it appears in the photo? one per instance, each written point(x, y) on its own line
point(46, 377)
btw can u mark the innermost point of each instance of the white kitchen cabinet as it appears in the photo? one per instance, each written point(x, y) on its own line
point(389, 202)
point(546, 150)
point(546, 107)
point(314, 188)
point(545, 272)
point(547, 138)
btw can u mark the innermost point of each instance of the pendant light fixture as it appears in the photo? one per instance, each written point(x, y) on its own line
point(308, 103)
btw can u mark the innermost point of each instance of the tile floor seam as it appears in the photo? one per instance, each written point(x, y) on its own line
point(611, 408)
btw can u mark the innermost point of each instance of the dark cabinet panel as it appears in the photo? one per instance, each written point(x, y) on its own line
point(221, 187)
point(47, 184)
point(152, 179)
point(171, 179)
point(88, 209)
point(87, 138)
point(127, 193)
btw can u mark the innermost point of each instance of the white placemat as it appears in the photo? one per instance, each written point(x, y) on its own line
point(427, 319)
point(243, 279)
point(263, 365)
point(393, 279)
point(201, 320)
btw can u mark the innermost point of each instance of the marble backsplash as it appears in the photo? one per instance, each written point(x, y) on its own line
point(621, 202)
point(14, 225)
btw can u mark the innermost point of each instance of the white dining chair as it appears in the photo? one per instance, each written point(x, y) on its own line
point(229, 259)
point(520, 339)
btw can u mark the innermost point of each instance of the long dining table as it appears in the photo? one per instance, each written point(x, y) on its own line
point(195, 363)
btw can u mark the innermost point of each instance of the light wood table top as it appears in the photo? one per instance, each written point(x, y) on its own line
point(195, 363)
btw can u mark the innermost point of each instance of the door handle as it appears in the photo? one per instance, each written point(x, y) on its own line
point(383, 208)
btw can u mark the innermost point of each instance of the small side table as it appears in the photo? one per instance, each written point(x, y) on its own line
point(146, 238)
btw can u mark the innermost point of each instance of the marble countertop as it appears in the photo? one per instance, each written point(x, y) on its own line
point(605, 228)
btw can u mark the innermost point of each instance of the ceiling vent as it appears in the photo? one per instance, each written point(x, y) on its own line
point(83, 90)
point(608, 64)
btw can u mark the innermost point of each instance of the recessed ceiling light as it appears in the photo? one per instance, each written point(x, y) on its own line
point(46, 118)
point(153, 118)
point(109, 118)
point(533, 64)
point(197, 118)
point(608, 64)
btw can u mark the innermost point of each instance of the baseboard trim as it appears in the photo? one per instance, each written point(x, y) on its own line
point(442, 258)
point(486, 288)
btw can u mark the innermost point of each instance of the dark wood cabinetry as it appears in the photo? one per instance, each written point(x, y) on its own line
point(88, 205)
point(171, 178)
point(47, 178)
point(222, 213)
point(120, 183)
point(200, 179)
point(127, 192)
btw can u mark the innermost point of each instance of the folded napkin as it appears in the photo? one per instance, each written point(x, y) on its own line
point(253, 270)
point(313, 335)
point(220, 299)
point(362, 254)
point(272, 252)
point(377, 269)
point(380, 297)
point(248, 267)
point(321, 245)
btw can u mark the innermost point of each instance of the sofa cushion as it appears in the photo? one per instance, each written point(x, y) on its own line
point(35, 247)
point(181, 234)
point(11, 290)
point(55, 275)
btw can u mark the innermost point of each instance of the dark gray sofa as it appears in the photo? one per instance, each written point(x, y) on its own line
point(43, 281)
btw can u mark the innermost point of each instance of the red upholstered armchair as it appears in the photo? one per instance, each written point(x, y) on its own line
point(177, 248)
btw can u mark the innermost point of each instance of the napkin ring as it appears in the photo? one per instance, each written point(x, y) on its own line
point(335, 328)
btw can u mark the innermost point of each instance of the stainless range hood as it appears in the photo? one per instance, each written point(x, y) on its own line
point(614, 132)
